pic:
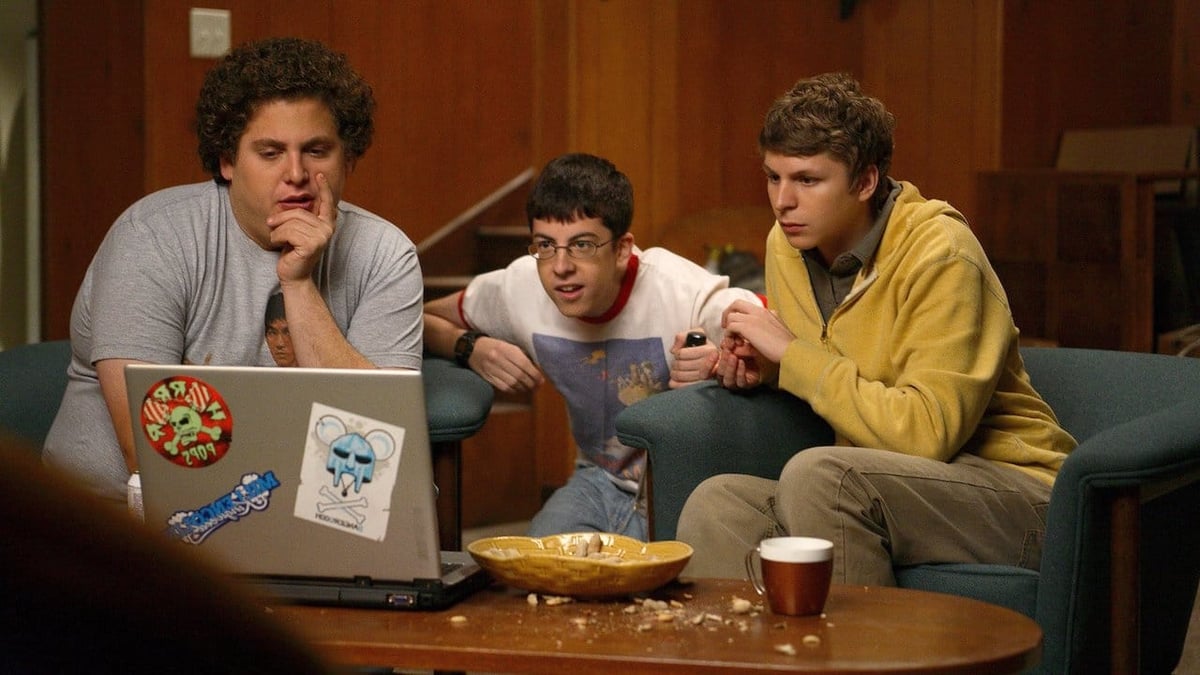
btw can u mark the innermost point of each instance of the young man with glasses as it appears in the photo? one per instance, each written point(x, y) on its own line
point(602, 319)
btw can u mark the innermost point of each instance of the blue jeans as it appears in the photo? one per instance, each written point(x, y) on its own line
point(590, 502)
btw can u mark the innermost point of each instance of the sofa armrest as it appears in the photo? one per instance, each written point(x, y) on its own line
point(703, 430)
point(457, 400)
point(457, 403)
point(32, 381)
point(1120, 530)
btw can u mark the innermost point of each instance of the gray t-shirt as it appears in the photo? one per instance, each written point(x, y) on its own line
point(177, 281)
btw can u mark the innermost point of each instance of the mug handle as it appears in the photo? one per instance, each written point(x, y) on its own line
point(754, 580)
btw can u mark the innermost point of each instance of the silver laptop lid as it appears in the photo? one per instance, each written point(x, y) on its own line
point(289, 471)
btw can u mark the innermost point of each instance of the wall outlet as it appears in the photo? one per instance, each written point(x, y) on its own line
point(209, 32)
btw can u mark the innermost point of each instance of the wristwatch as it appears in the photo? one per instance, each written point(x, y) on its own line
point(465, 345)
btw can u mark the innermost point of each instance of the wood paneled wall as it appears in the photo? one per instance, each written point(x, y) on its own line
point(93, 122)
point(674, 91)
point(935, 64)
point(1113, 67)
point(453, 83)
point(472, 93)
point(1185, 62)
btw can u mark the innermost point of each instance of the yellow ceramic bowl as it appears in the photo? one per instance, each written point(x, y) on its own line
point(551, 565)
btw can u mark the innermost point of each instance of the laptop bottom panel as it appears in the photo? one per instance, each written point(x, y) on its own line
point(461, 578)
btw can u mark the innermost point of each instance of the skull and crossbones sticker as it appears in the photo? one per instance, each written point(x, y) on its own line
point(187, 421)
point(349, 472)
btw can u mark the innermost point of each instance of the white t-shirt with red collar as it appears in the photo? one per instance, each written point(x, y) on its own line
point(603, 365)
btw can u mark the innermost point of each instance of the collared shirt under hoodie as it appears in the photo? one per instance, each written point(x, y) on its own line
point(833, 283)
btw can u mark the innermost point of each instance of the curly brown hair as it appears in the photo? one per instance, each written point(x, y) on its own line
point(830, 113)
point(270, 70)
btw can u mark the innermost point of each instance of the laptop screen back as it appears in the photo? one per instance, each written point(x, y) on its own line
point(289, 471)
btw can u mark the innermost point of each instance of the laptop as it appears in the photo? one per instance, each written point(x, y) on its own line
point(314, 484)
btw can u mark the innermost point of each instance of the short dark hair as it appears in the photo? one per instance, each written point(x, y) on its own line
point(830, 113)
point(279, 69)
point(274, 311)
point(579, 185)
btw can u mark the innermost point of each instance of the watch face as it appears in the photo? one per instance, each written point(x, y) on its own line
point(464, 346)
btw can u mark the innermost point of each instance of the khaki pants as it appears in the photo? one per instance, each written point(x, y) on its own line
point(880, 509)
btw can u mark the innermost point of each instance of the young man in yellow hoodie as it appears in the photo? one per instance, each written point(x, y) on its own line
point(885, 316)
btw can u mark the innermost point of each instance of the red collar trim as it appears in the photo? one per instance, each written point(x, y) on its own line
point(622, 296)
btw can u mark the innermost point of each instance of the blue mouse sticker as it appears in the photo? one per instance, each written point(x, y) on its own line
point(349, 472)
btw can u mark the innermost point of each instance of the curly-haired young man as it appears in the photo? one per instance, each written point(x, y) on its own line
point(888, 319)
point(185, 274)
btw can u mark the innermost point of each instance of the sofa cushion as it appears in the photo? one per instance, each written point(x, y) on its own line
point(1011, 587)
point(33, 378)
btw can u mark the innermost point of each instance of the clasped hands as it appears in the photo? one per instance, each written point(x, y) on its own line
point(754, 343)
point(749, 353)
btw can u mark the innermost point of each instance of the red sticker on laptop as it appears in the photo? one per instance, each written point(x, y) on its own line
point(187, 421)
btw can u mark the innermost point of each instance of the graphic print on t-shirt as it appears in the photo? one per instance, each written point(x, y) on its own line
point(276, 334)
point(599, 380)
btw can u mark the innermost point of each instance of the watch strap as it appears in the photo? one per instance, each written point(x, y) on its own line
point(464, 346)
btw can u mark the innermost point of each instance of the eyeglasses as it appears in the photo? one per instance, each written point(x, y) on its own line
point(578, 249)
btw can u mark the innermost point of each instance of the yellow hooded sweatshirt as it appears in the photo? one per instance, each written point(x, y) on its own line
point(921, 357)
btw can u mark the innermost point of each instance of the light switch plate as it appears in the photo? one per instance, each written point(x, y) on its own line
point(209, 32)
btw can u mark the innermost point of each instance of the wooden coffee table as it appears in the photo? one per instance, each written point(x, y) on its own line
point(864, 629)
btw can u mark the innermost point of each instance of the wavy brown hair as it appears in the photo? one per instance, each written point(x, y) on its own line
point(279, 69)
point(830, 113)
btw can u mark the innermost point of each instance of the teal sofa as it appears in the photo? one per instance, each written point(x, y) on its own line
point(1121, 560)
